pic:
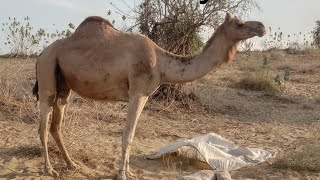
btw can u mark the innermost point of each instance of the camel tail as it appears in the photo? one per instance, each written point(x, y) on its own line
point(47, 71)
point(35, 90)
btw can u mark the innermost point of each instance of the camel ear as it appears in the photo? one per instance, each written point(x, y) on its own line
point(228, 17)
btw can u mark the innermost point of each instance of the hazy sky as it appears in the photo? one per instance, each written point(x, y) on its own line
point(292, 16)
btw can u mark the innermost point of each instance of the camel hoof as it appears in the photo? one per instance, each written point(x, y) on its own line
point(121, 175)
point(126, 176)
point(73, 166)
point(131, 175)
point(51, 172)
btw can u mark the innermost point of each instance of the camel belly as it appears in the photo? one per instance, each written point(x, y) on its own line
point(100, 90)
point(95, 78)
point(98, 85)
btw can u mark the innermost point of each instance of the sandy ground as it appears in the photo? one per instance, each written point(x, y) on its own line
point(92, 130)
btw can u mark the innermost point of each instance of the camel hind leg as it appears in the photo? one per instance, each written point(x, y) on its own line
point(45, 111)
point(47, 93)
point(63, 93)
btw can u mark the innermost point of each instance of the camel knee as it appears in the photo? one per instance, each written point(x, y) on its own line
point(45, 110)
point(57, 115)
point(46, 101)
point(62, 102)
point(55, 123)
point(54, 129)
point(126, 143)
point(63, 96)
point(42, 135)
point(51, 100)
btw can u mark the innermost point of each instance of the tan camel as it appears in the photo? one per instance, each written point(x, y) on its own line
point(102, 63)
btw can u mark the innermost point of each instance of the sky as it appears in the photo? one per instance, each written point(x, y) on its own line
point(292, 16)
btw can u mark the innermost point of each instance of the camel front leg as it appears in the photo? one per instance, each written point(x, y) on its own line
point(136, 104)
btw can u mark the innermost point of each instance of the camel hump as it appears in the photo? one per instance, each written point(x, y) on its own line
point(96, 19)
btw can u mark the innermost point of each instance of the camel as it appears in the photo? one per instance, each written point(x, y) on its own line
point(101, 63)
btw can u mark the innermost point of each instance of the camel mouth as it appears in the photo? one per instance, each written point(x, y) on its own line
point(259, 33)
point(262, 33)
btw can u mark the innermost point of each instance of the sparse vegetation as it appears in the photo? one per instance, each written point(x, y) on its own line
point(316, 35)
point(247, 114)
point(257, 82)
point(259, 77)
point(23, 40)
point(95, 128)
point(295, 43)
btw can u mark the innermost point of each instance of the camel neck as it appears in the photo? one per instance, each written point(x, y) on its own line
point(179, 69)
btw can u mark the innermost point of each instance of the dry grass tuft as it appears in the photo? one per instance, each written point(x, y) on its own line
point(258, 73)
point(276, 55)
point(257, 83)
point(300, 50)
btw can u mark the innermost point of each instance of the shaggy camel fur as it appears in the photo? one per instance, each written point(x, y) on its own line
point(101, 63)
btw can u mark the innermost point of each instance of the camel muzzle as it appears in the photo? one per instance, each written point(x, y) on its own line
point(261, 29)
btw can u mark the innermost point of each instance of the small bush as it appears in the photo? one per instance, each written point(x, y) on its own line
point(257, 83)
point(257, 76)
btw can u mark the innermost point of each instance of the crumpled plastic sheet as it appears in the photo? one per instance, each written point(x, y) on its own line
point(220, 153)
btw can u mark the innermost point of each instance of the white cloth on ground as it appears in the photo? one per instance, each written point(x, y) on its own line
point(220, 153)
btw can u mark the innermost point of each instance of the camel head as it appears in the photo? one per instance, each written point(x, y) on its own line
point(238, 30)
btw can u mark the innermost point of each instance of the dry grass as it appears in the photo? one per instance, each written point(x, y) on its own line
point(306, 155)
point(301, 50)
point(15, 99)
point(257, 82)
point(257, 75)
point(307, 158)
point(93, 130)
